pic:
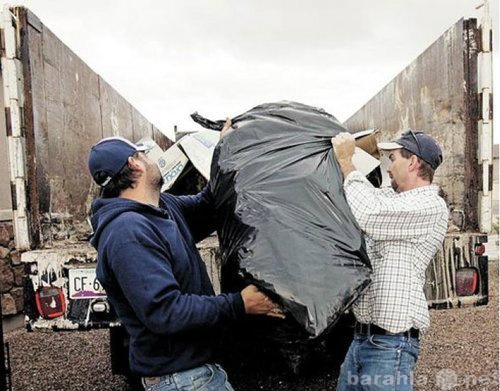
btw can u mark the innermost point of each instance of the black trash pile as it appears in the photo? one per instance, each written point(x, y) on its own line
point(285, 225)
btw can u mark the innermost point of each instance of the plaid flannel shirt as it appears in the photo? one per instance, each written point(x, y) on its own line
point(403, 232)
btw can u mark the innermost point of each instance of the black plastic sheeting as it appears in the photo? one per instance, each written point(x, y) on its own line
point(284, 223)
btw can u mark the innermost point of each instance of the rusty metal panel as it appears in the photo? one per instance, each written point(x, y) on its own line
point(435, 93)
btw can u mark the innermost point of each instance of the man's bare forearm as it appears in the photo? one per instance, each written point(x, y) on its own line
point(346, 166)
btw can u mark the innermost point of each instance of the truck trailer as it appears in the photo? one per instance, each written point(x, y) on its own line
point(447, 93)
point(56, 108)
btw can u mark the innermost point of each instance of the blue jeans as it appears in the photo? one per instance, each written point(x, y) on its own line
point(379, 363)
point(208, 377)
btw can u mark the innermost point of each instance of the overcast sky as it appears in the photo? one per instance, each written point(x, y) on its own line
point(170, 58)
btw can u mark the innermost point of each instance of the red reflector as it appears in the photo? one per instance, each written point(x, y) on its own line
point(50, 302)
point(479, 249)
point(467, 281)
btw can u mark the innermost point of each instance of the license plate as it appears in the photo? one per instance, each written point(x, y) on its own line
point(83, 284)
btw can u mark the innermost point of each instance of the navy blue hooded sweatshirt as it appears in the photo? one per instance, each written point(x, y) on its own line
point(157, 282)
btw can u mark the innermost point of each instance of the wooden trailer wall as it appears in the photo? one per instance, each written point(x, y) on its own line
point(67, 108)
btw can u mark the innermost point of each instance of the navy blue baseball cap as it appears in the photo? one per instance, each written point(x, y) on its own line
point(418, 143)
point(109, 156)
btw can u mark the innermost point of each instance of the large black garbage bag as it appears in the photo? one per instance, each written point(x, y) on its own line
point(285, 224)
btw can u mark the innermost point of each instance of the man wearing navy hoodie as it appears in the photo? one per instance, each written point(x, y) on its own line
point(153, 273)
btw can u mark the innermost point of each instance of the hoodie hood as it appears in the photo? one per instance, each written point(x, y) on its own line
point(105, 210)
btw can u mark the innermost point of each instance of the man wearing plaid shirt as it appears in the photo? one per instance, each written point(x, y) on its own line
point(404, 227)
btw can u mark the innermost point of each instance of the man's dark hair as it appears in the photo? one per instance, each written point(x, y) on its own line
point(125, 179)
point(425, 171)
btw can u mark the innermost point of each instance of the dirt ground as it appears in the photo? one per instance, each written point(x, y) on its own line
point(460, 352)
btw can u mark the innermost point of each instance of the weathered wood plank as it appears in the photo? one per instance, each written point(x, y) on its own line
point(116, 113)
point(36, 125)
point(5, 196)
point(54, 106)
point(141, 126)
point(163, 141)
